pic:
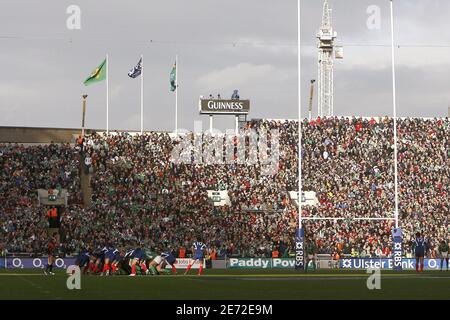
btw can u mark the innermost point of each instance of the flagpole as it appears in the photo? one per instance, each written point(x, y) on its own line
point(83, 114)
point(107, 94)
point(395, 117)
point(176, 94)
point(142, 93)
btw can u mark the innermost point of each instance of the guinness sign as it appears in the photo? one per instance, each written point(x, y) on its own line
point(213, 106)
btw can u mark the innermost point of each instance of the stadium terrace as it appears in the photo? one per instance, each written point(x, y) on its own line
point(134, 196)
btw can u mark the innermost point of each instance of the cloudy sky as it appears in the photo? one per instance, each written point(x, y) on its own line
point(248, 45)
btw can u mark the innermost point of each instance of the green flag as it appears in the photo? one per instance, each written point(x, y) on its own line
point(173, 78)
point(99, 74)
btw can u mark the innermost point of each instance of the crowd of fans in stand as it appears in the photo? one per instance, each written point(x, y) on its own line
point(24, 169)
point(140, 194)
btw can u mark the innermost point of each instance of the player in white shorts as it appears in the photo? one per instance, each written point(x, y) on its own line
point(159, 263)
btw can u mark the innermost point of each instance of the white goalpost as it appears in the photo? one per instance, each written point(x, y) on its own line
point(397, 232)
point(299, 235)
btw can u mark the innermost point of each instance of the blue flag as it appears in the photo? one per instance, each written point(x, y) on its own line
point(136, 71)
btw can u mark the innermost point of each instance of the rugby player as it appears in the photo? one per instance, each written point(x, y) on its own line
point(118, 257)
point(83, 260)
point(420, 247)
point(51, 251)
point(137, 257)
point(125, 263)
point(311, 253)
point(199, 252)
point(96, 260)
point(109, 253)
point(158, 265)
point(443, 253)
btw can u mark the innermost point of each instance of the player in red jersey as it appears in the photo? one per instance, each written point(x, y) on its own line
point(51, 251)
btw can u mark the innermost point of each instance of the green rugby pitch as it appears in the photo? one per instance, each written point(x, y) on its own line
point(229, 284)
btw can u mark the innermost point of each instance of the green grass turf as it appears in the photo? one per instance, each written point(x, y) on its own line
point(237, 284)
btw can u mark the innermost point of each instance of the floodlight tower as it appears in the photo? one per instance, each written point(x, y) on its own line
point(327, 53)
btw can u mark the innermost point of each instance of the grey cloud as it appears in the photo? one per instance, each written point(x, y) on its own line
point(44, 67)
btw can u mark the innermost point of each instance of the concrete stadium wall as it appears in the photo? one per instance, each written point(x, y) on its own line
point(47, 135)
point(68, 135)
point(37, 135)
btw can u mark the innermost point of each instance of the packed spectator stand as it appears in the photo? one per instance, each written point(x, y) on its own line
point(139, 195)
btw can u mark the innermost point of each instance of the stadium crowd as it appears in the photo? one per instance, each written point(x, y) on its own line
point(23, 170)
point(141, 195)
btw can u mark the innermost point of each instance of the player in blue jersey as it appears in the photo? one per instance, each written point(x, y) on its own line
point(83, 259)
point(160, 262)
point(125, 263)
point(137, 257)
point(199, 252)
point(420, 247)
point(115, 263)
point(109, 253)
point(170, 259)
point(96, 260)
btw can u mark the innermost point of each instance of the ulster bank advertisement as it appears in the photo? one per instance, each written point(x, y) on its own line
point(289, 263)
point(407, 264)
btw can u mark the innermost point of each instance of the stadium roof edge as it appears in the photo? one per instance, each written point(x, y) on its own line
point(22, 134)
point(17, 134)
